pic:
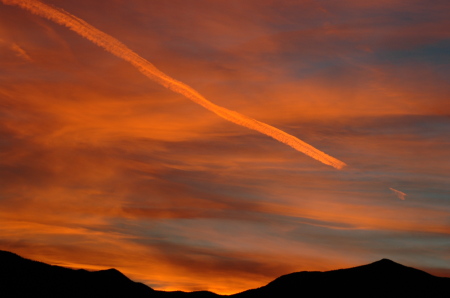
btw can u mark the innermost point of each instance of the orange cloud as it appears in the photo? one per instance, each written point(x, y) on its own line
point(98, 173)
point(399, 194)
point(117, 48)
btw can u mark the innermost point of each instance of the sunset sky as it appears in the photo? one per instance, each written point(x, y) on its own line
point(102, 167)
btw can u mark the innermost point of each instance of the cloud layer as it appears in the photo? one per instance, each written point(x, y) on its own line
point(100, 168)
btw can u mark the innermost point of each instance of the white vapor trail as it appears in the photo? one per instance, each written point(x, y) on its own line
point(399, 194)
point(118, 49)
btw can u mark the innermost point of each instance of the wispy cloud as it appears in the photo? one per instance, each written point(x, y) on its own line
point(399, 194)
point(20, 52)
point(120, 50)
point(99, 173)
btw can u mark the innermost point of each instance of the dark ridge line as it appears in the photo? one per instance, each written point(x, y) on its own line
point(21, 277)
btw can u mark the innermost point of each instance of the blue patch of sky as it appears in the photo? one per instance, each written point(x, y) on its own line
point(436, 54)
point(420, 126)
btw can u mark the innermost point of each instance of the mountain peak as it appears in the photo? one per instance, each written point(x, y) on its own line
point(387, 267)
point(8, 254)
point(111, 271)
point(383, 278)
point(385, 263)
point(111, 274)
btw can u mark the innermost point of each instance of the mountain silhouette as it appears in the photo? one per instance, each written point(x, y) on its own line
point(383, 278)
point(20, 277)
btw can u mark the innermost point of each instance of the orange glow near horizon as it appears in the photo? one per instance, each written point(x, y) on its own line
point(101, 168)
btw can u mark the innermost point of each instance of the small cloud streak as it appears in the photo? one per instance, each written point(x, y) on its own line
point(399, 194)
point(19, 52)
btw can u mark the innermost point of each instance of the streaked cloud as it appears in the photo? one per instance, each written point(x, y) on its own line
point(19, 52)
point(399, 194)
point(101, 168)
point(115, 47)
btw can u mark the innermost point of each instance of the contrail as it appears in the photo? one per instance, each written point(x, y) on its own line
point(118, 49)
point(400, 195)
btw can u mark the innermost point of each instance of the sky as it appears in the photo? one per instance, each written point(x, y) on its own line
point(102, 167)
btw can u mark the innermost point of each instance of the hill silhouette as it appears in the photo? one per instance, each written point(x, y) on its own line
point(383, 278)
point(20, 277)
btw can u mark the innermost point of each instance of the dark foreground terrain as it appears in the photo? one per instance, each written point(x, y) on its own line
point(21, 277)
